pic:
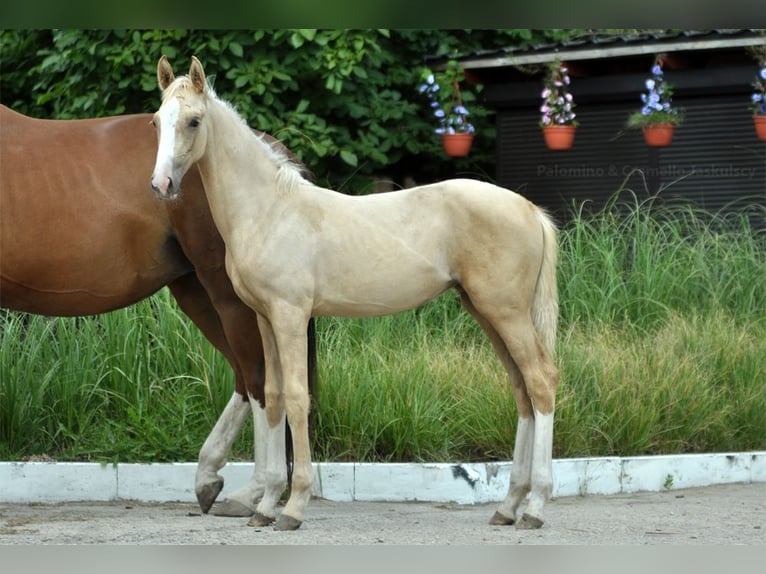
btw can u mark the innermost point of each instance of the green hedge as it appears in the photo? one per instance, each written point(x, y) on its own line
point(345, 101)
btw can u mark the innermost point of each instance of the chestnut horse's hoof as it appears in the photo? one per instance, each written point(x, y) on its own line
point(529, 522)
point(285, 522)
point(207, 494)
point(232, 508)
point(501, 520)
point(259, 519)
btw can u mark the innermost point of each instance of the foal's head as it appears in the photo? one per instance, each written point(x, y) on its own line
point(180, 124)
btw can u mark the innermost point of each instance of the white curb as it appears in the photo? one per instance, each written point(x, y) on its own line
point(469, 483)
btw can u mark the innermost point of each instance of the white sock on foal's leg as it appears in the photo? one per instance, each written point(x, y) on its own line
point(243, 501)
point(542, 475)
point(273, 473)
point(521, 473)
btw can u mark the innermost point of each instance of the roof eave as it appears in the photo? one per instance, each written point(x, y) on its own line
point(610, 52)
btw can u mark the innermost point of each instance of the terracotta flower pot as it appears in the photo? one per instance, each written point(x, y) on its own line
point(457, 145)
point(559, 137)
point(759, 120)
point(659, 135)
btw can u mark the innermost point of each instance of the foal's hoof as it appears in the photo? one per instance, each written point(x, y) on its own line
point(207, 494)
point(501, 520)
point(529, 522)
point(259, 519)
point(232, 508)
point(285, 522)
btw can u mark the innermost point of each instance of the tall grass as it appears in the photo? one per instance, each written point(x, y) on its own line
point(136, 384)
point(635, 263)
point(662, 349)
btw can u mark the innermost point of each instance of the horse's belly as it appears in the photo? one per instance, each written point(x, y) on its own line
point(374, 296)
point(96, 278)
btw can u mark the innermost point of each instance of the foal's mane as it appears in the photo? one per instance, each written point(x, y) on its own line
point(288, 174)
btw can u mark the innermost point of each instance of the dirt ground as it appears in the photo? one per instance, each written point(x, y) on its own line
point(725, 514)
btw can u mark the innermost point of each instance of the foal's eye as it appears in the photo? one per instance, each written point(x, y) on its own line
point(194, 122)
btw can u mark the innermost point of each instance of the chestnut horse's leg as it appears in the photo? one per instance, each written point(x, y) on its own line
point(193, 299)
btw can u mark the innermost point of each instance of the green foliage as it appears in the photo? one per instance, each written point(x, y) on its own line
point(345, 101)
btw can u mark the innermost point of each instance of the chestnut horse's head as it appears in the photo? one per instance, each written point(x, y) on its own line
point(180, 123)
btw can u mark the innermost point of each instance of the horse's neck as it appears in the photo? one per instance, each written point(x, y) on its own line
point(238, 176)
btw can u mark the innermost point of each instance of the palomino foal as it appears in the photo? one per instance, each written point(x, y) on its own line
point(294, 250)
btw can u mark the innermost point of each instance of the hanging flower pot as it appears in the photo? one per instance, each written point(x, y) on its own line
point(659, 135)
point(657, 117)
point(559, 137)
point(457, 145)
point(558, 117)
point(760, 127)
point(758, 102)
point(443, 92)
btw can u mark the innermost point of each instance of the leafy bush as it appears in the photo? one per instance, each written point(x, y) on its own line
point(345, 101)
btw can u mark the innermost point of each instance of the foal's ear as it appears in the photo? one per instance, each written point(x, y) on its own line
point(197, 75)
point(165, 74)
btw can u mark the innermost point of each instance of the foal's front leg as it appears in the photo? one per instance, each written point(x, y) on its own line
point(270, 423)
point(289, 331)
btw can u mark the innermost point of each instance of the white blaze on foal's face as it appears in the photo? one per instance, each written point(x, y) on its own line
point(165, 120)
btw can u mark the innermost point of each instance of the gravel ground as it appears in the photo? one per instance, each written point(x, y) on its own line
point(725, 514)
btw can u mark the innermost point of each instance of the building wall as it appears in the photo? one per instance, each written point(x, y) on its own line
point(715, 159)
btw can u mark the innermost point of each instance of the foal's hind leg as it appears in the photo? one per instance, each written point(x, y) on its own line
point(540, 378)
point(521, 471)
point(519, 347)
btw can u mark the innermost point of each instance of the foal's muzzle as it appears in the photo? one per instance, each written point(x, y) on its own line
point(165, 189)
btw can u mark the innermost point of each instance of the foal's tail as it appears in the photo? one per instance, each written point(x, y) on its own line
point(545, 305)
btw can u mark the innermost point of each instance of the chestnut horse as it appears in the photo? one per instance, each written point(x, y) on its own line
point(296, 251)
point(81, 233)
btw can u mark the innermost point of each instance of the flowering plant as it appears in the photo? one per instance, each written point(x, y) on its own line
point(657, 100)
point(758, 102)
point(558, 104)
point(446, 101)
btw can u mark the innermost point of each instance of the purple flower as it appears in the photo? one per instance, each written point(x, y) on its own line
point(444, 99)
point(758, 99)
point(460, 110)
point(656, 99)
point(557, 102)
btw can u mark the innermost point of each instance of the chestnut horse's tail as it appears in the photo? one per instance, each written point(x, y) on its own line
point(313, 390)
point(545, 306)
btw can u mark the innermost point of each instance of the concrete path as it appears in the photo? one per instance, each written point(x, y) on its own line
point(724, 514)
